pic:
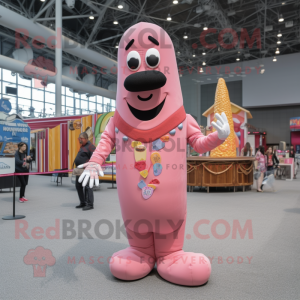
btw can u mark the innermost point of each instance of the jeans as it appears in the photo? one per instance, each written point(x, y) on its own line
point(85, 194)
point(24, 181)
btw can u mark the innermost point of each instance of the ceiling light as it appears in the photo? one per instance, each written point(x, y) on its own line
point(281, 19)
point(205, 27)
point(279, 34)
point(204, 63)
point(117, 45)
point(283, 3)
point(194, 54)
point(277, 51)
point(42, 0)
point(279, 42)
point(274, 59)
point(262, 71)
point(203, 53)
point(121, 5)
point(201, 70)
point(175, 2)
point(116, 22)
point(91, 17)
point(169, 18)
point(178, 52)
point(238, 59)
point(185, 36)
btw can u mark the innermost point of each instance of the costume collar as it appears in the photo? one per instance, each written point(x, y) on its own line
point(152, 134)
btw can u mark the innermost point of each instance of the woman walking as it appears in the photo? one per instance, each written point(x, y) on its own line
point(22, 166)
point(272, 160)
point(261, 166)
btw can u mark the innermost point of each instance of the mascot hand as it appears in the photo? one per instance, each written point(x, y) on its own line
point(92, 172)
point(222, 126)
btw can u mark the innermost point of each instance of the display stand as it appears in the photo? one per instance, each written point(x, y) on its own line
point(112, 177)
point(219, 172)
point(14, 216)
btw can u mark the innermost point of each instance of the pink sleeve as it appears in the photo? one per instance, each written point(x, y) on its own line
point(257, 156)
point(197, 140)
point(106, 144)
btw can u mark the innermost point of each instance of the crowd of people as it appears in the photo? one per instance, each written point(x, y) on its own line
point(266, 162)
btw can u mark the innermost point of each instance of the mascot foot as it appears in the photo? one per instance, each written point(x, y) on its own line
point(131, 264)
point(184, 268)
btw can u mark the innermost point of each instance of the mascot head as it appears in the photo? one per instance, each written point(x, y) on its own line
point(149, 89)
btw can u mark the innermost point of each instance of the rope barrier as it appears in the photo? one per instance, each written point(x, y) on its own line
point(244, 170)
point(35, 173)
point(192, 168)
point(217, 173)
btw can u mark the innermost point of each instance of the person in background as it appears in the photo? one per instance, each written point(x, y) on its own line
point(22, 161)
point(247, 150)
point(275, 162)
point(86, 150)
point(272, 160)
point(292, 155)
point(292, 152)
point(261, 166)
point(272, 163)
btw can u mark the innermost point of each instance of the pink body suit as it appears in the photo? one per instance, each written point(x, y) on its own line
point(149, 110)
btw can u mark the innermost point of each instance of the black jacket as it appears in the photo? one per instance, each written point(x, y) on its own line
point(84, 154)
point(19, 160)
point(275, 160)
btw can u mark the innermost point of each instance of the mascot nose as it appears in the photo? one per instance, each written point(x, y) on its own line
point(145, 81)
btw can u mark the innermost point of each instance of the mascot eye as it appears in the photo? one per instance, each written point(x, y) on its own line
point(152, 58)
point(133, 60)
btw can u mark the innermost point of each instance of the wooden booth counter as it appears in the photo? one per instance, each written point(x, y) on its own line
point(219, 172)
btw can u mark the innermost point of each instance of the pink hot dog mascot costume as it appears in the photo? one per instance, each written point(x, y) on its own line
point(150, 130)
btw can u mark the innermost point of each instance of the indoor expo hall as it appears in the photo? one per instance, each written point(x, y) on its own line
point(149, 149)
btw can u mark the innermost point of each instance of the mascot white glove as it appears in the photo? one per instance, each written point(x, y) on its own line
point(91, 172)
point(222, 126)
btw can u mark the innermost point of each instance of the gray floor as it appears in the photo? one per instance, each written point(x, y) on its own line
point(273, 272)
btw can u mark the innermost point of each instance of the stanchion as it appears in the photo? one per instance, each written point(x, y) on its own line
point(112, 177)
point(14, 216)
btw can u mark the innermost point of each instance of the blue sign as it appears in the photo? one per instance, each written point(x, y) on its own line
point(5, 105)
point(12, 133)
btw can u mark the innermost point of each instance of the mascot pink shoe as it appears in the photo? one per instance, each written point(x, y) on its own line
point(150, 130)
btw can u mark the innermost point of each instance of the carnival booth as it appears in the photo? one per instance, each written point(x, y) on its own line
point(223, 168)
point(13, 130)
point(57, 140)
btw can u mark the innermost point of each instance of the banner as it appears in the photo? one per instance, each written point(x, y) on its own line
point(295, 124)
point(12, 133)
point(7, 165)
